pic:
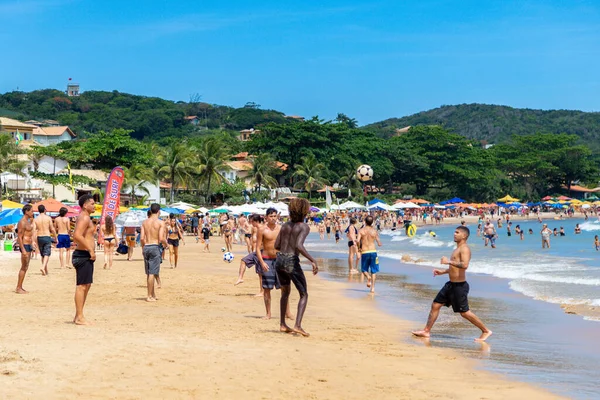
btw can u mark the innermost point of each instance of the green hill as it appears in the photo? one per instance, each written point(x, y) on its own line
point(495, 124)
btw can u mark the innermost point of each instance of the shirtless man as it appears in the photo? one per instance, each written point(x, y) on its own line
point(369, 262)
point(322, 230)
point(328, 226)
point(455, 291)
point(44, 228)
point(265, 240)
point(246, 231)
point(153, 237)
point(290, 243)
point(84, 256)
point(251, 259)
point(489, 232)
point(62, 225)
point(353, 254)
point(26, 239)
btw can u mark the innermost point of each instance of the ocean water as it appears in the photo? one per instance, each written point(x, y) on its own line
point(515, 290)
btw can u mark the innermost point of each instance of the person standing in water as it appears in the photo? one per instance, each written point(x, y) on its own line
point(455, 291)
point(369, 262)
point(353, 254)
point(290, 244)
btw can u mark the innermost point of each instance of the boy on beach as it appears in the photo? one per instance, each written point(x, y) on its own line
point(456, 290)
point(369, 262)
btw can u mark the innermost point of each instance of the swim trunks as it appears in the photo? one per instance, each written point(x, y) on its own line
point(248, 235)
point(45, 245)
point(454, 294)
point(350, 243)
point(152, 259)
point(369, 260)
point(328, 229)
point(173, 242)
point(64, 242)
point(289, 270)
point(28, 248)
point(492, 239)
point(84, 267)
point(250, 260)
point(269, 278)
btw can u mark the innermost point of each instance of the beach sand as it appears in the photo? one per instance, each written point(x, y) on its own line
point(204, 338)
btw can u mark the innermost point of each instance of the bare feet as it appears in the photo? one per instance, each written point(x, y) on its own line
point(259, 294)
point(372, 290)
point(238, 282)
point(301, 331)
point(286, 329)
point(21, 291)
point(104, 265)
point(81, 321)
point(43, 272)
point(266, 317)
point(354, 271)
point(484, 336)
point(150, 299)
point(369, 282)
point(424, 334)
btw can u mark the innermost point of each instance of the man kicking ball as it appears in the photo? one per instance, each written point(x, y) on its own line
point(455, 291)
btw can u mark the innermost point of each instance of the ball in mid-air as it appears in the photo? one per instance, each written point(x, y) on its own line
point(228, 257)
point(364, 173)
point(223, 249)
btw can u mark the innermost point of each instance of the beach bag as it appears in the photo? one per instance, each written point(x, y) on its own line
point(122, 248)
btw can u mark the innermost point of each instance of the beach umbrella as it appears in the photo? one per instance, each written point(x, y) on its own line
point(10, 217)
point(9, 205)
point(131, 219)
point(375, 201)
point(507, 199)
point(380, 207)
point(399, 206)
point(182, 206)
point(547, 198)
point(52, 205)
point(173, 210)
point(564, 198)
point(221, 210)
point(454, 200)
point(586, 206)
point(350, 205)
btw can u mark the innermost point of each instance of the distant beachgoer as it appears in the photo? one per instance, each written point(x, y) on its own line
point(174, 235)
point(519, 231)
point(562, 231)
point(25, 239)
point(369, 262)
point(84, 256)
point(153, 239)
point(109, 233)
point(44, 231)
point(353, 254)
point(322, 230)
point(530, 231)
point(455, 291)
point(546, 232)
point(577, 229)
point(62, 225)
point(489, 233)
point(338, 229)
point(251, 260)
point(206, 238)
point(555, 232)
point(596, 242)
point(290, 244)
point(328, 227)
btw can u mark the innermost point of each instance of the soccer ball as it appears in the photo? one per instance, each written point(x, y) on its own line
point(364, 173)
point(223, 249)
point(228, 257)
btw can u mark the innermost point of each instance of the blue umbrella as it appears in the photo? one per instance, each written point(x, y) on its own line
point(173, 210)
point(10, 217)
point(454, 200)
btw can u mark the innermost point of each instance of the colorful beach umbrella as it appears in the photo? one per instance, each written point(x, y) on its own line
point(9, 205)
point(10, 217)
point(507, 199)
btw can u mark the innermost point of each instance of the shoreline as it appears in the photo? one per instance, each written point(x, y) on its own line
point(205, 338)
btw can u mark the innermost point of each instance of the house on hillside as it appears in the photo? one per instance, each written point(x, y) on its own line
point(580, 192)
point(192, 119)
point(12, 126)
point(240, 167)
point(48, 135)
point(50, 122)
point(246, 133)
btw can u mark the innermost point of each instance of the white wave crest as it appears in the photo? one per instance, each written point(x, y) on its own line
point(590, 226)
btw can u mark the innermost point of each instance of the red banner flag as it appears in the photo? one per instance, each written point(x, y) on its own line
point(112, 196)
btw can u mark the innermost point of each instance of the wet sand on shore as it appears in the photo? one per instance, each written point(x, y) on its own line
point(204, 338)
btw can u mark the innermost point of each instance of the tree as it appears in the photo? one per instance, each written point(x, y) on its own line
point(212, 161)
point(344, 119)
point(175, 163)
point(310, 174)
point(264, 169)
point(136, 177)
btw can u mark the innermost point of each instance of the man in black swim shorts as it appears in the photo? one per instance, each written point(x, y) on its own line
point(455, 292)
point(84, 256)
point(290, 243)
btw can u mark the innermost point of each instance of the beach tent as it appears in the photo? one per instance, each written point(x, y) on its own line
point(11, 216)
point(507, 199)
point(439, 207)
point(454, 200)
point(182, 206)
point(350, 205)
point(399, 206)
point(375, 201)
point(9, 205)
point(380, 207)
point(314, 209)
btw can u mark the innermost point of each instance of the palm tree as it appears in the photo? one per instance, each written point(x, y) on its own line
point(135, 178)
point(8, 156)
point(309, 174)
point(212, 161)
point(263, 170)
point(350, 180)
point(175, 163)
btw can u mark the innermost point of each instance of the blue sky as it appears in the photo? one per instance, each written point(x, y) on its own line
point(369, 59)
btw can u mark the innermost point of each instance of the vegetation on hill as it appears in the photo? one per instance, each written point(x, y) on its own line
point(496, 124)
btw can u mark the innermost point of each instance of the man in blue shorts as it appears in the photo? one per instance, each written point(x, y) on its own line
point(369, 262)
point(62, 224)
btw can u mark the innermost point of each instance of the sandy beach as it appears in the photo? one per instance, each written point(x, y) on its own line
point(204, 338)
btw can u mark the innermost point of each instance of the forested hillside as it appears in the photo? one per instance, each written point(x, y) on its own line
point(149, 118)
point(496, 124)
